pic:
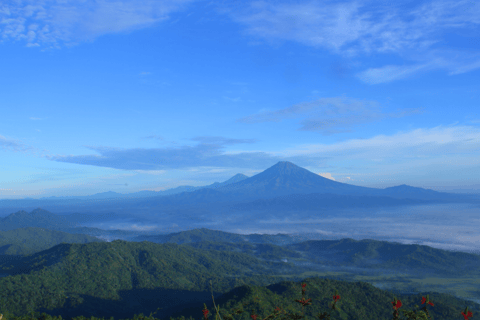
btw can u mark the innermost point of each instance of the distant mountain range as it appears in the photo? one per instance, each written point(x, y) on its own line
point(147, 193)
point(284, 178)
point(280, 188)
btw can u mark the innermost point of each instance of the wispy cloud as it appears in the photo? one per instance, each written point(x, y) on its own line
point(52, 23)
point(348, 112)
point(423, 144)
point(12, 144)
point(350, 29)
point(466, 67)
point(389, 73)
point(353, 29)
point(417, 147)
point(207, 153)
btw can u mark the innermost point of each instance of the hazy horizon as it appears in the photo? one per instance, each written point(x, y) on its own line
point(457, 191)
point(126, 96)
point(441, 226)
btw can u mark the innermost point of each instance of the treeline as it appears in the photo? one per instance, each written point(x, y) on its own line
point(359, 300)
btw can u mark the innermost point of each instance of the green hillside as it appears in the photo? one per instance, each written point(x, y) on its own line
point(358, 300)
point(123, 279)
point(203, 234)
point(26, 241)
point(73, 275)
point(97, 275)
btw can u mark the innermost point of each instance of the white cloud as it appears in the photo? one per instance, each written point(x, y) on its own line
point(53, 22)
point(327, 175)
point(389, 73)
point(430, 149)
point(421, 152)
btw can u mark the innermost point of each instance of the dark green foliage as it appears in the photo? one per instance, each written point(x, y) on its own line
point(359, 300)
point(27, 241)
point(91, 276)
point(123, 279)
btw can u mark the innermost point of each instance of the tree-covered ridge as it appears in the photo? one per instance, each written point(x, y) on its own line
point(390, 255)
point(203, 234)
point(367, 253)
point(26, 241)
point(122, 279)
point(371, 254)
point(104, 270)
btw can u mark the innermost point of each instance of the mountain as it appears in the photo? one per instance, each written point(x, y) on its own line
point(282, 179)
point(407, 192)
point(286, 178)
point(102, 195)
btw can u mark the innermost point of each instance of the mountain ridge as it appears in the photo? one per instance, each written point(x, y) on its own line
point(280, 179)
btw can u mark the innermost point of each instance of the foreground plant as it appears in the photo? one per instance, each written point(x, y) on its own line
point(411, 315)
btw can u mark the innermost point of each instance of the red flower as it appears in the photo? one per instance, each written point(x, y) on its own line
point(398, 305)
point(468, 314)
point(426, 299)
point(205, 312)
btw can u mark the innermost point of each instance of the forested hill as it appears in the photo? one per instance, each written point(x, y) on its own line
point(98, 275)
point(123, 279)
point(26, 241)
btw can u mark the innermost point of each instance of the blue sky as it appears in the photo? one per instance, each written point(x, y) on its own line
point(149, 95)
